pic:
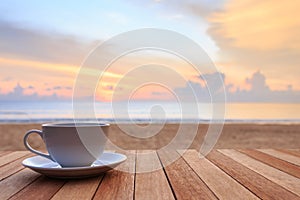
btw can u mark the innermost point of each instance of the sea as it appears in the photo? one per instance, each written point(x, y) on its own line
point(146, 112)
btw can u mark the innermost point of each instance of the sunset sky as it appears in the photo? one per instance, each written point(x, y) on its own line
point(254, 44)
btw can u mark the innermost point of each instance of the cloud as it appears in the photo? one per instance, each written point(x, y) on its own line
point(18, 95)
point(159, 93)
point(213, 80)
point(57, 88)
point(176, 9)
point(108, 87)
point(68, 88)
point(193, 91)
point(260, 25)
point(196, 7)
point(258, 82)
point(199, 7)
point(259, 34)
point(24, 43)
point(259, 91)
point(7, 79)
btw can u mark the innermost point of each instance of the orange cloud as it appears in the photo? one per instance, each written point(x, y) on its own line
point(153, 92)
point(42, 76)
point(259, 35)
point(138, 68)
point(262, 25)
point(40, 65)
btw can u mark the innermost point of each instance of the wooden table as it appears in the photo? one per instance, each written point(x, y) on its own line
point(223, 174)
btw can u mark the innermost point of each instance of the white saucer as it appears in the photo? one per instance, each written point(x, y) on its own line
point(42, 165)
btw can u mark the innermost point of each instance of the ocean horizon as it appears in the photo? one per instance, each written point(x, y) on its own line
point(145, 112)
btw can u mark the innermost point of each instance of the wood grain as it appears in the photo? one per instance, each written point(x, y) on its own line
point(42, 188)
point(16, 182)
point(4, 152)
point(184, 181)
point(283, 179)
point(152, 184)
point(223, 185)
point(283, 156)
point(258, 184)
point(293, 152)
point(119, 183)
point(223, 174)
point(78, 189)
point(7, 158)
point(12, 167)
point(282, 165)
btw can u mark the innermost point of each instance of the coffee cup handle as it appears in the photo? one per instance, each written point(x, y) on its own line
point(27, 145)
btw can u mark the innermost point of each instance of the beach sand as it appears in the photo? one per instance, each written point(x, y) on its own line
point(232, 136)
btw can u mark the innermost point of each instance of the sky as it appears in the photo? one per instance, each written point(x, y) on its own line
point(255, 46)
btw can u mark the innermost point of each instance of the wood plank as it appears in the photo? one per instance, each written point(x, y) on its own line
point(185, 182)
point(153, 184)
point(16, 182)
point(258, 184)
point(119, 183)
point(283, 156)
point(283, 179)
point(12, 167)
point(78, 189)
point(7, 158)
point(223, 185)
point(296, 150)
point(293, 152)
point(282, 165)
point(4, 152)
point(129, 164)
point(42, 188)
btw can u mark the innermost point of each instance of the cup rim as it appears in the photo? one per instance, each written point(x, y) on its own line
point(74, 125)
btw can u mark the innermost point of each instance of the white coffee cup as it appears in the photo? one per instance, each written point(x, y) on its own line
point(71, 144)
